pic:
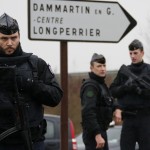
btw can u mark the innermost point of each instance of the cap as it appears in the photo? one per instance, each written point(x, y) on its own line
point(135, 44)
point(98, 58)
point(8, 25)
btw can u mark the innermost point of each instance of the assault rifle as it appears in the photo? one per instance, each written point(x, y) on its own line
point(133, 78)
point(8, 82)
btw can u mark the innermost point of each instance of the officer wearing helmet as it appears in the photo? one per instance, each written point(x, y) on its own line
point(133, 104)
point(26, 84)
point(96, 104)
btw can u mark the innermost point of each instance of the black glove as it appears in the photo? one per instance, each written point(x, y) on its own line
point(130, 87)
point(123, 89)
point(133, 87)
point(138, 90)
point(126, 87)
point(145, 93)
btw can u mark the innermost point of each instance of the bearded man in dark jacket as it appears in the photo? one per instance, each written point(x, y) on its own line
point(26, 84)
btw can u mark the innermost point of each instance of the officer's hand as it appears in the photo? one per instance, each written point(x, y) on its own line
point(123, 89)
point(145, 93)
point(117, 116)
point(100, 142)
point(132, 87)
point(138, 90)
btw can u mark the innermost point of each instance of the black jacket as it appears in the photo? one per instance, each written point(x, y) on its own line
point(96, 105)
point(36, 85)
point(129, 98)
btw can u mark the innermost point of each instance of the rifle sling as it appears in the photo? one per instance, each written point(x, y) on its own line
point(9, 132)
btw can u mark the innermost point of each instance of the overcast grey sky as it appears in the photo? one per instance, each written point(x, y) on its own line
point(79, 53)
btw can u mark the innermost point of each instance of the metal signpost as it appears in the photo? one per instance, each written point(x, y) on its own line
point(83, 21)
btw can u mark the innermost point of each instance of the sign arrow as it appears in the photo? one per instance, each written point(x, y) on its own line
point(132, 21)
point(63, 20)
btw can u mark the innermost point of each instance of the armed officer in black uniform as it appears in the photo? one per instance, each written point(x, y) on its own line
point(26, 83)
point(96, 104)
point(131, 87)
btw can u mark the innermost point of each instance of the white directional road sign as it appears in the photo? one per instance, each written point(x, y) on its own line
point(78, 20)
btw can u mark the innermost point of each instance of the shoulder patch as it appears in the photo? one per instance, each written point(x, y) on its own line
point(90, 93)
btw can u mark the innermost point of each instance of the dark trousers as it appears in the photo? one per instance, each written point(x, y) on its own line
point(90, 143)
point(36, 146)
point(136, 128)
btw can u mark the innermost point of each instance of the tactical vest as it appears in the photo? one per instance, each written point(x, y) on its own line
point(131, 100)
point(104, 102)
point(29, 70)
point(25, 69)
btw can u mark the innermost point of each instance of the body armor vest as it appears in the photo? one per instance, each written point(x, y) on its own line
point(104, 102)
point(133, 100)
point(34, 110)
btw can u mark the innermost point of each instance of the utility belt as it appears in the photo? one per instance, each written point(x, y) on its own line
point(135, 112)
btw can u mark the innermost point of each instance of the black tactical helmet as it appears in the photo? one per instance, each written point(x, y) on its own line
point(8, 25)
point(135, 44)
point(98, 58)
